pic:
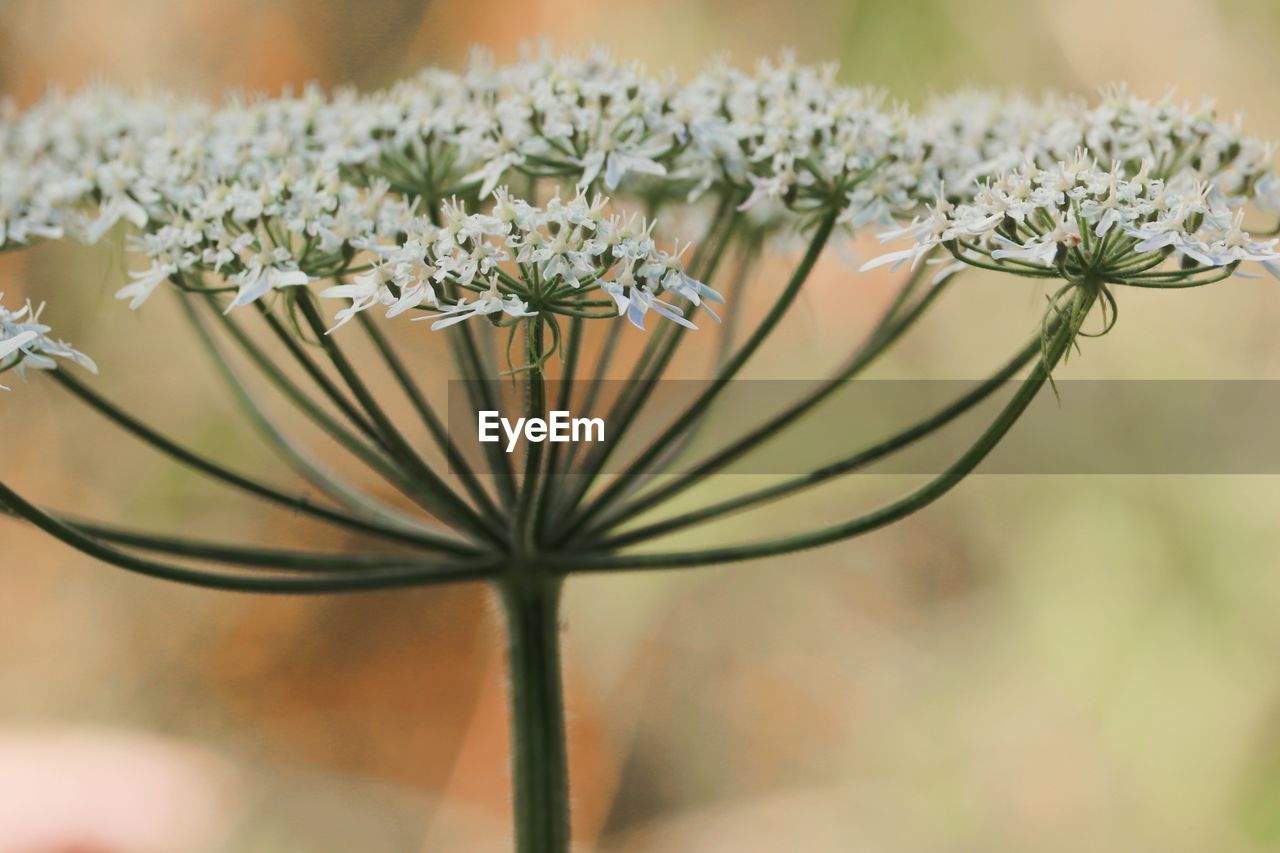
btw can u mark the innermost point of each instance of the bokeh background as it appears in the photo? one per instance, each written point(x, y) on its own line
point(1036, 663)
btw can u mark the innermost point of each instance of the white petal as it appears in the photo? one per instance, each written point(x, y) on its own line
point(17, 342)
point(890, 258)
point(450, 321)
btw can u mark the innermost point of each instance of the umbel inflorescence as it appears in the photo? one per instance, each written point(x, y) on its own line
point(271, 193)
point(537, 198)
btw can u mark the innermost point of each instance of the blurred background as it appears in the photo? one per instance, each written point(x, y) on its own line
point(1036, 663)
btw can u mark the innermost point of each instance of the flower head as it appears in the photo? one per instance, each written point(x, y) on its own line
point(967, 138)
point(520, 260)
point(256, 195)
point(1079, 222)
point(25, 343)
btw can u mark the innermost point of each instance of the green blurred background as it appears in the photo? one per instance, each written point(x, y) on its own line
point(1036, 663)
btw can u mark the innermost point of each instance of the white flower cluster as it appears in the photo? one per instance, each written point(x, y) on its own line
point(561, 254)
point(972, 136)
point(1085, 222)
point(25, 343)
point(259, 194)
point(785, 130)
point(789, 133)
point(230, 191)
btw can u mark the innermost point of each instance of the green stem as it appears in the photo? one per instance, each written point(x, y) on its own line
point(372, 457)
point(433, 493)
point(457, 462)
point(409, 574)
point(234, 555)
point(727, 373)
point(724, 348)
point(599, 375)
point(479, 385)
point(476, 376)
point(540, 766)
point(526, 518)
point(318, 376)
point(302, 462)
point(658, 352)
point(859, 460)
point(206, 466)
point(553, 482)
point(1173, 283)
point(1062, 336)
point(882, 336)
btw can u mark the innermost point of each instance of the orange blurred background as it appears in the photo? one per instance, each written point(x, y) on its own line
point(1036, 663)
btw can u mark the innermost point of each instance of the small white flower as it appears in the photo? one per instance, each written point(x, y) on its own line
point(634, 301)
point(117, 207)
point(667, 272)
point(144, 283)
point(490, 302)
point(25, 343)
point(11, 345)
point(769, 187)
point(261, 276)
point(269, 193)
point(618, 159)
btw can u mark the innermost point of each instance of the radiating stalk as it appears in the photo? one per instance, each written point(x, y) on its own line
point(476, 376)
point(553, 482)
point(656, 357)
point(307, 467)
point(599, 375)
point(526, 518)
point(1060, 336)
point(839, 468)
point(372, 457)
point(323, 382)
point(724, 348)
point(434, 493)
point(478, 383)
point(411, 573)
point(247, 484)
point(886, 332)
point(429, 418)
point(690, 415)
point(233, 555)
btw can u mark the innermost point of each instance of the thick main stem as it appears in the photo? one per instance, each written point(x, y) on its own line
point(540, 767)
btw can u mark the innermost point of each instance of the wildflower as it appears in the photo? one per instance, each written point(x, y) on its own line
point(1080, 222)
point(263, 274)
point(271, 193)
point(25, 343)
point(143, 284)
point(119, 206)
point(491, 301)
point(769, 187)
point(964, 140)
point(634, 301)
point(523, 261)
point(393, 284)
point(15, 343)
point(620, 158)
point(667, 271)
point(397, 200)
